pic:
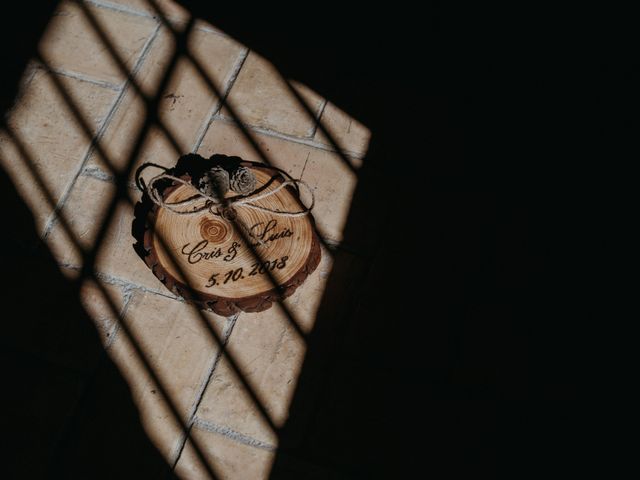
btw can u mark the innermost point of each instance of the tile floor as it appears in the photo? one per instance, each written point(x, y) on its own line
point(64, 165)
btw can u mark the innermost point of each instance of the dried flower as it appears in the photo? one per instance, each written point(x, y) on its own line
point(243, 181)
point(215, 183)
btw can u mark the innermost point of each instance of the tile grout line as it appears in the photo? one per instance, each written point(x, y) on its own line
point(304, 167)
point(119, 8)
point(81, 77)
point(32, 73)
point(242, 57)
point(52, 220)
point(316, 119)
point(96, 172)
point(141, 13)
point(227, 432)
point(124, 284)
point(290, 138)
point(127, 295)
point(226, 334)
point(228, 329)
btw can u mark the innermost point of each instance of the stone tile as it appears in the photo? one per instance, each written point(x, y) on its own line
point(178, 348)
point(227, 458)
point(261, 97)
point(53, 140)
point(185, 104)
point(85, 211)
point(71, 43)
point(349, 134)
point(332, 181)
point(269, 353)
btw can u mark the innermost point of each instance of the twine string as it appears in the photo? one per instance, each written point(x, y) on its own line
point(212, 202)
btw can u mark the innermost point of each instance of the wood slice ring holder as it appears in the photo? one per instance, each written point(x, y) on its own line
point(206, 258)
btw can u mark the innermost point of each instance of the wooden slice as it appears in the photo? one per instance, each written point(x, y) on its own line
point(243, 260)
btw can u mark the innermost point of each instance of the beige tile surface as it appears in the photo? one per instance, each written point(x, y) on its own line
point(185, 104)
point(71, 43)
point(176, 345)
point(261, 97)
point(227, 458)
point(349, 134)
point(53, 140)
point(332, 181)
point(85, 211)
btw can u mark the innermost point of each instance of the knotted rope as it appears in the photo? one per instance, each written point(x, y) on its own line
point(221, 205)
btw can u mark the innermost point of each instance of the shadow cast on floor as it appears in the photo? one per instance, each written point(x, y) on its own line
point(407, 374)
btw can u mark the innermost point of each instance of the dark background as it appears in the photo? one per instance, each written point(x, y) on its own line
point(465, 365)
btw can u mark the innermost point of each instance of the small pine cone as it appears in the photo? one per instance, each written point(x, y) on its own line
point(243, 181)
point(215, 183)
